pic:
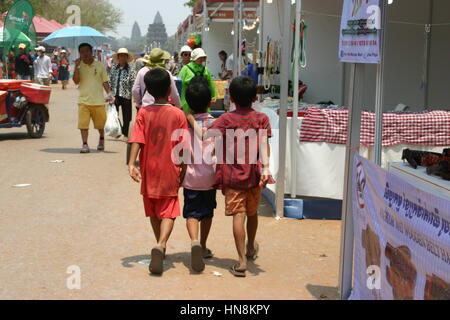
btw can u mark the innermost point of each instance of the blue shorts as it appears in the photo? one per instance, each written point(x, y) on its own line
point(199, 204)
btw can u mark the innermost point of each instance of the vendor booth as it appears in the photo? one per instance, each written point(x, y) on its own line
point(218, 30)
point(375, 110)
point(411, 78)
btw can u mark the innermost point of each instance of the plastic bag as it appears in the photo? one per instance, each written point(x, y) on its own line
point(112, 127)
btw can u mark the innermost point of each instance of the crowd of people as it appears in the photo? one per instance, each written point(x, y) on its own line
point(162, 113)
point(36, 65)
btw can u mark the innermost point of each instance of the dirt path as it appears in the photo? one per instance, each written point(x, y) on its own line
point(86, 212)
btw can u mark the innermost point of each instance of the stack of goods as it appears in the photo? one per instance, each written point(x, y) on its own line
point(436, 163)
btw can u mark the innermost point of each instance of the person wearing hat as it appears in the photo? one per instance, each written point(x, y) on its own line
point(185, 54)
point(141, 62)
point(23, 63)
point(42, 67)
point(63, 69)
point(195, 68)
point(122, 78)
point(174, 65)
point(157, 59)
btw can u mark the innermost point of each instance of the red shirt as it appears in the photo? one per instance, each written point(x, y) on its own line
point(240, 169)
point(153, 129)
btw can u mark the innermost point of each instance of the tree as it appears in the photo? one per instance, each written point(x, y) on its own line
point(191, 3)
point(99, 14)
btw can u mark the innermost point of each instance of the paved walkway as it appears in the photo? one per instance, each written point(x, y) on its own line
point(87, 212)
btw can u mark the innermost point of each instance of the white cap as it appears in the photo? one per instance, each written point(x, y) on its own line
point(185, 49)
point(197, 54)
point(41, 48)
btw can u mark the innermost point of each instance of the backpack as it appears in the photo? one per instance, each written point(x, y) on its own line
point(200, 74)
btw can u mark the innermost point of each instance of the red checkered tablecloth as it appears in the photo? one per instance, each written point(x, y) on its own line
point(330, 125)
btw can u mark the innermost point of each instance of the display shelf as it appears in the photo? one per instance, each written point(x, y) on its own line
point(429, 183)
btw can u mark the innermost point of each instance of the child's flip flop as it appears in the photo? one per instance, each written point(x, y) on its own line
point(207, 254)
point(156, 265)
point(254, 255)
point(237, 273)
point(197, 263)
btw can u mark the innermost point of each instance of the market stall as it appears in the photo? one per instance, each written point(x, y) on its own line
point(320, 145)
point(218, 30)
point(403, 47)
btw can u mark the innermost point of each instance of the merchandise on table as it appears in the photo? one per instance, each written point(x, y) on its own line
point(436, 163)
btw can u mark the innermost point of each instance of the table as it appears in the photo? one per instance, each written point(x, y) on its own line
point(429, 183)
point(321, 166)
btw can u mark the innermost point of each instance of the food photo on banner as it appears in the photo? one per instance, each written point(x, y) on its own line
point(402, 238)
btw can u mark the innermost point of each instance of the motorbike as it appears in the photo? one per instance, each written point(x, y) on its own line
point(23, 103)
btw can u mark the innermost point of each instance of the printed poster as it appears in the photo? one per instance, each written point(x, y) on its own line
point(402, 238)
point(360, 31)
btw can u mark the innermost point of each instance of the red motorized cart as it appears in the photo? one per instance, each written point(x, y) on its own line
point(23, 103)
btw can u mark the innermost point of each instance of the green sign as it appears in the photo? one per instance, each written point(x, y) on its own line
point(19, 20)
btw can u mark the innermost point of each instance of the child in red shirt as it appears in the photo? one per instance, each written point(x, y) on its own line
point(160, 178)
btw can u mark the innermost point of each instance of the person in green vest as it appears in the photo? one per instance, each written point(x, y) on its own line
point(195, 68)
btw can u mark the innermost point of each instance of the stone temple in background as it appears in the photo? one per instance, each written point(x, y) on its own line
point(157, 35)
point(136, 34)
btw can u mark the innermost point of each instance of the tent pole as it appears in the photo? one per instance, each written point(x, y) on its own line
point(284, 91)
point(261, 37)
point(241, 25)
point(294, 122)
point(427, 66)
point(379, 99)
point(205, 25)
point(356, 98)
point(236, 66)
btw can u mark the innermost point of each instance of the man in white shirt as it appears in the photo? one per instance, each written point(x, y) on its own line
point(229, 64)
point(42, 67)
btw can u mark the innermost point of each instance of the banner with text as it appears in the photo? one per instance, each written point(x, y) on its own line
point(360, 31)
point(402, 238)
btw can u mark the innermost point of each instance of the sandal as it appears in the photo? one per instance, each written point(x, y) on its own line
point(156, 264)
point(254, 255)
point(85, 149)
point(197, 263)
point(101, 145)
point(237, 273)
point(207, 254)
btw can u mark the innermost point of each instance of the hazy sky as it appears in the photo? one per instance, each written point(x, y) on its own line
point(143, 11)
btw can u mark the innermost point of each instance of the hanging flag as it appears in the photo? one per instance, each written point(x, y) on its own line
point(18, 20)
point(32, 35)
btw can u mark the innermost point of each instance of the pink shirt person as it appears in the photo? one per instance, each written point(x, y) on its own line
point(200, 176)
point(143, 98)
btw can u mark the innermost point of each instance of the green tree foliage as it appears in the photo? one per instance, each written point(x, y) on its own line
point(98, 14)
point(191, 3)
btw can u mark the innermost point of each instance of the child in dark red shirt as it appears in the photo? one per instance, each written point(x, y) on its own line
point(159, 176)
point(243, 168)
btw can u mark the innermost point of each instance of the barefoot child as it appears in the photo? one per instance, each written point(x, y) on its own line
point(241, 175)
point(160, 178)
point(199, 193)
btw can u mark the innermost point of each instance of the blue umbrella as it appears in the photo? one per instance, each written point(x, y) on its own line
point(72, 37)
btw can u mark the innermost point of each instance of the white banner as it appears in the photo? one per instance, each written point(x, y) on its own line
point(402, 238)
point(360, 31)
